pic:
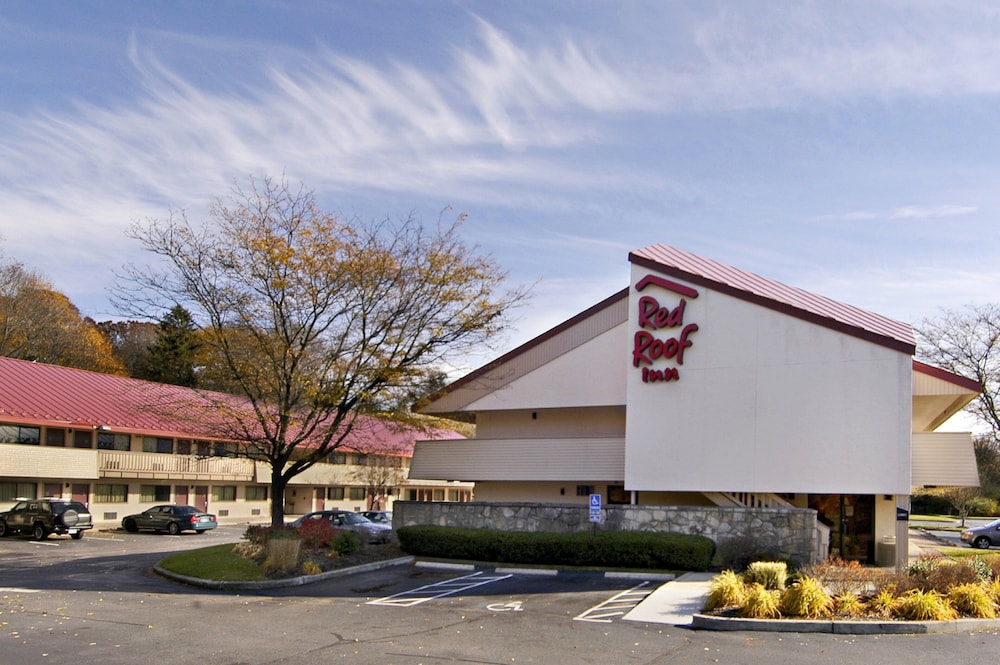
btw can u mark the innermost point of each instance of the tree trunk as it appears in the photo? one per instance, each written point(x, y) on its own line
point(278, 486)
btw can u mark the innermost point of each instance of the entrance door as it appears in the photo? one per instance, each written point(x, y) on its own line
point(81, 493)
point(201, 497)
point(181, 495)
point(851, 518)
point(53, 490)
point(320, 498)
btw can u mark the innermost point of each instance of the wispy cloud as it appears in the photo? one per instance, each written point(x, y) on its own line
point(910, 212)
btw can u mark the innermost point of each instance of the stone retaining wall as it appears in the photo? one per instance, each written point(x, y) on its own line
point(789, 533)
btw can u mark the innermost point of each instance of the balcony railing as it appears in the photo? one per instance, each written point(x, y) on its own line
point(122, 464)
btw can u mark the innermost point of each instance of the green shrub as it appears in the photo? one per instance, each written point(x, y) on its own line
point(727, 589)
point(769, 574)
point(259, 534)
point(621, 549)
point(806, 598)
point(761, 603)
point(930, 504)
point(345, 542)
point(983, 506)
point(920, 605)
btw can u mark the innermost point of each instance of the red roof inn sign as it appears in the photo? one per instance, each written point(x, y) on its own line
point(662, 334)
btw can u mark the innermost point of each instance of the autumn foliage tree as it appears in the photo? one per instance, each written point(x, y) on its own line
point(315, 319)
point(39, 323)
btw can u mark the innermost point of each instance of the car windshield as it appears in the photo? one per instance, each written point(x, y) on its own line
point(354, 518)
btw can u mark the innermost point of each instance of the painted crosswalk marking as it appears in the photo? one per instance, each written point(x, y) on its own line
point(616, 606)
point(438, 590)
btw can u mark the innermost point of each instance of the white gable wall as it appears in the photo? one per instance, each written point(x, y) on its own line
point(592, 374)
point(766, 402)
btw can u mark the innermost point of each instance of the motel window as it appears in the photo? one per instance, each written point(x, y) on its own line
point(203, 448)
point(154, 493)
point(11, 491)
point(584, 490)
point(157, 444)
point(55, 436)
point(257, 493)
point(18, 434)
point(220, 449)
point(338, 458)
point(183, 446)
point(82, 439)
point(108, 493)
point(109, 441)
point(224, 493)
point(360, 459)
point(618, 495)
point(335, 493)
point(358, 493)
point(439, 495)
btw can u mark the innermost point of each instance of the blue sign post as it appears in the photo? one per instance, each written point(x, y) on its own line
point(595, 508)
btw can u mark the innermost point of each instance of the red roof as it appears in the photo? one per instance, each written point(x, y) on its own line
point(775, 295)
point(39, 394)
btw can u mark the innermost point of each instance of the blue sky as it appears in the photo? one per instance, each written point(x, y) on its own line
point(848, 148)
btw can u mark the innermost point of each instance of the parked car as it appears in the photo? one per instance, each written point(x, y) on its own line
point(983, 537)
point(378, 516)
point(172, 519)
point(370, 532)
point(41, 517)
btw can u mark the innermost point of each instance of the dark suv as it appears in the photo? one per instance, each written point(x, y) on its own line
point(40, 517)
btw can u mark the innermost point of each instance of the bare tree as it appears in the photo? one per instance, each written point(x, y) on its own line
point(316, 319)
point(967, 343)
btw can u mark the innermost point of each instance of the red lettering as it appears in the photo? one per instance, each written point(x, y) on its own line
point(651, 315)
point(646, 348)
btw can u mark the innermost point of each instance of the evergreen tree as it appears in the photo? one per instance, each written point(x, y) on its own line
point(172, 355)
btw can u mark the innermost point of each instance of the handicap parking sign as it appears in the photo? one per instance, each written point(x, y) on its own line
point(595, 507)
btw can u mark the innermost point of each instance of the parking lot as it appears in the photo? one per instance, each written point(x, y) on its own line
point(97, 601)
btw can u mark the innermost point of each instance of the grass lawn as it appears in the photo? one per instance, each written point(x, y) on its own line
point(214, 563)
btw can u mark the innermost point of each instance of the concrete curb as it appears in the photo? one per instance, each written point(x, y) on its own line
point(706, 622)
point(278, 584)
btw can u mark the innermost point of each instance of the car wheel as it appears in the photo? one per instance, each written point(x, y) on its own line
point(173, 528)
point(3, 529)
point(982, 542)
point(76, 536)
point(130, 526)
point(39, 532)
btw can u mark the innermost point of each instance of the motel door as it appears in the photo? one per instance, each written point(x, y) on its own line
point(851, 518)
point(201, 497)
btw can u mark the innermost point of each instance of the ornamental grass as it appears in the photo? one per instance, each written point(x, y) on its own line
point(761, 603)
point(726, 590)
point(807, 598)
point(931, 589)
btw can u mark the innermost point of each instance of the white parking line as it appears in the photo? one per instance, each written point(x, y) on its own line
point(439, 590)
point(616, 606)
point(14, 589)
